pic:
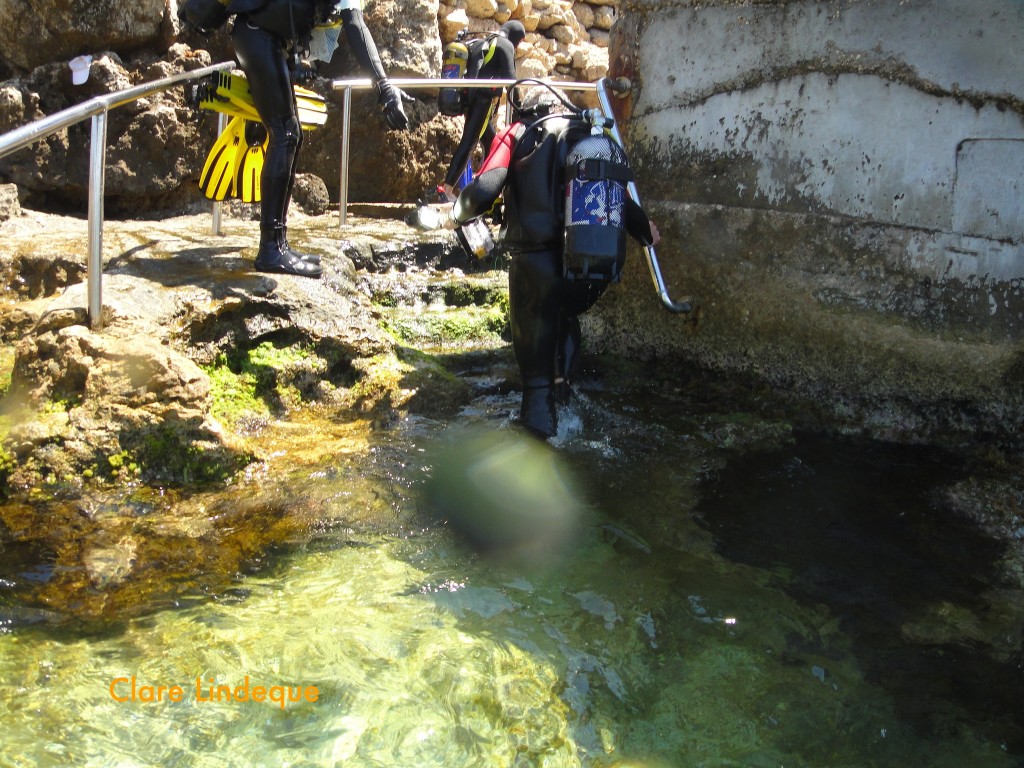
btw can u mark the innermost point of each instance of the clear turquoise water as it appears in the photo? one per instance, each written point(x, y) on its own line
point(802, 606)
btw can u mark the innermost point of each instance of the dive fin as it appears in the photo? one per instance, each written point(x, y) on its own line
point(250, 165)
point(312, 107)
point(218, 177)
point(232, 108)
point(230, 94)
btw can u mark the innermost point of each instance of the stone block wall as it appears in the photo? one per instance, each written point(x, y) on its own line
point(565, 40)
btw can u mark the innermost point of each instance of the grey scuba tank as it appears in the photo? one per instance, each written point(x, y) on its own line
point(595, 209)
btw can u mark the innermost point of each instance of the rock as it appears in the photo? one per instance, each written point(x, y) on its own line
point(109, 566)
point(450, 24)
point(584, 14)
point(59, 31)
point(599, 37)
point(9, 205)
point(310, 194)
point(604, 17)
point(135, 396)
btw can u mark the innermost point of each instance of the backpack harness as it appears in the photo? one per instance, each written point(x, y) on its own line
point(570, 186)
point(462, 60)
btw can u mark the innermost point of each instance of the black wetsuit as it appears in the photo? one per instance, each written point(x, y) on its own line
point(264, 36)
point(544, 306)
point(479, 124)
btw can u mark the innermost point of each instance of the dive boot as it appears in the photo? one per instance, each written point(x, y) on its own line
point(309, 258)
point(275, 256)
point(537, 413)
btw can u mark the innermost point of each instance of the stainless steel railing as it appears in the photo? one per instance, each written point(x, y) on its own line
point(601, 87)
point(408, 83)
point(96, 108)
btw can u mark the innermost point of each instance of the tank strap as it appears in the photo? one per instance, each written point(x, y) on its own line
point(593, 169)
point(477, 46)
point(490, 51)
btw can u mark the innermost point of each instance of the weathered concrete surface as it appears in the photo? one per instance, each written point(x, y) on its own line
point(838, 184)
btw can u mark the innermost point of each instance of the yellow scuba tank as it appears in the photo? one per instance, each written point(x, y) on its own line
point(455, 61)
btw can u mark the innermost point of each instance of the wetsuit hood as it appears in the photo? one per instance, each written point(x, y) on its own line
point(514, 31)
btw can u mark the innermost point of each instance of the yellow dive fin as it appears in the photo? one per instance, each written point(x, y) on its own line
point(218, 177)
point(230, 94)
point(312, 106)
point(250, 164)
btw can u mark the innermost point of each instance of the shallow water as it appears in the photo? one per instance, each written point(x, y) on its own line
point(802, 605)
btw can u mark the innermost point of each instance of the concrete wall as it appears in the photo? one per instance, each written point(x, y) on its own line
point(839, 186)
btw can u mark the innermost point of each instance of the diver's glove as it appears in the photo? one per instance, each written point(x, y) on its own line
point(390, 99)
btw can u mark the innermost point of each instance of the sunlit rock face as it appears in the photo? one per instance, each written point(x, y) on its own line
point(838, 187)
point(53, 29)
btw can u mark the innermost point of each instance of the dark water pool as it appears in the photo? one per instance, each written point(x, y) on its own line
point(733, 594)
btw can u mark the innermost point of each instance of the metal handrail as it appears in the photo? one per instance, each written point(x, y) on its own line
point(96, 108)
point(601, 87)
point(409, 83)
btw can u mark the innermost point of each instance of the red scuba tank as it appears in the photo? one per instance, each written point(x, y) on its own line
point(595, 209)
point(455, 61)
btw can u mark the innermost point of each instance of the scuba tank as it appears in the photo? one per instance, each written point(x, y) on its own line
point(455, 61)
point(596, 174)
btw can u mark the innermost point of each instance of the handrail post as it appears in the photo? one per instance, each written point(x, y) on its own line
point(97, 175)
point(217, 219)
point(343, 180)
point(652, 258)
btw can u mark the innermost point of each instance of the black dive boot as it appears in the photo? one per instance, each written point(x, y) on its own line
point(309, 258)
point(537, 413)
point(274, 256)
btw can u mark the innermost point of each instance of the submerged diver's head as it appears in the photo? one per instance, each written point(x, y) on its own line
point(514, 31)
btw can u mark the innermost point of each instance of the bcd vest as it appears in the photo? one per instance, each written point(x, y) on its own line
point(567, 190)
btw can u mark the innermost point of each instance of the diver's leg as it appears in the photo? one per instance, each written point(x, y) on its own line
point(580, 295)
point(570, 339)
point(535, 285)
point(263, 58)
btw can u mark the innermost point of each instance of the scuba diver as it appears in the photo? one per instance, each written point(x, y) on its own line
point(267, 35)
point(493, 58)
point(532, 165)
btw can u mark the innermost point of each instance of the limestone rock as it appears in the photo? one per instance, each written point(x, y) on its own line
point(481, 9)
point(135, 390)
point(9, 205)
point(604, 17)
point(59, 31)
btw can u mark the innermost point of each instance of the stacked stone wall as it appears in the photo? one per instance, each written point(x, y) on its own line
point(564, 40)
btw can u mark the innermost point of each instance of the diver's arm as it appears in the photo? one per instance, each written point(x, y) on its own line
point(479, 195)
point(639, 226)
point(365, 50)
point(361, 42)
